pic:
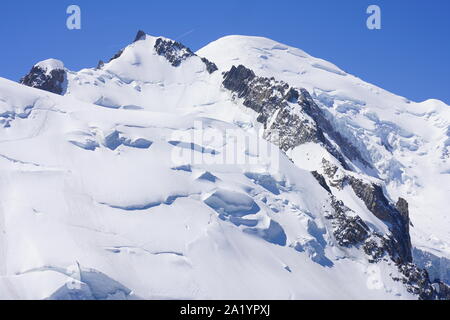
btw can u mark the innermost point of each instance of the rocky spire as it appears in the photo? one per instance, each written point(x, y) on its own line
point(140, 36)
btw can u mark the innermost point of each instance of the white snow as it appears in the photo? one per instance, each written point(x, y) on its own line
point(89, 180)
point(50, 64)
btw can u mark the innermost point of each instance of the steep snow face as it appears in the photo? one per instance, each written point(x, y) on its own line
point(122, 187)
point(406, 142)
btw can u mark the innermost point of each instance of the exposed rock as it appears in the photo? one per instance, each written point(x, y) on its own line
point(210, 66)
point(379, 205)
point(237, 80)
point(290, 116)
point(375, 247)
point(335, 177)
point(141, 35)
point(176, 53)
point(403, 207)
point(417, 281)
point(173, 51)
point(399, 244)
point(349, 230)
point(100, 65)
point(277, 104)
point(45, 79)
point(321, 180)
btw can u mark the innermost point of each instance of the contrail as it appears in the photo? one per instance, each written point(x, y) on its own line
point(184, 35)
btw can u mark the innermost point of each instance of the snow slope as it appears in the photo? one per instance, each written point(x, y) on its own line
point(107, 192)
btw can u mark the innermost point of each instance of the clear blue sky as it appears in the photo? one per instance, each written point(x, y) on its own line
point(409, 56)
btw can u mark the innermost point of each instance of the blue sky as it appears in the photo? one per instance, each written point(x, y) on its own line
point(409, 56)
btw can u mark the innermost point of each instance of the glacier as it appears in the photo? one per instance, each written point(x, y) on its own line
point(109, 188)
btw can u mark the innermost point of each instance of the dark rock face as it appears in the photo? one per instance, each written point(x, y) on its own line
point(417, 281)
point(140, 36)
point(237, 80)
point(40, 79)
point(379, 205)
point(285, 126)
point(271, 99)
point(176, 53)
point(399, 244)
point(210, 66)
point(100, 65)
point(173, 51)
point(321, 180)
point(348, 230)
point(403, 207)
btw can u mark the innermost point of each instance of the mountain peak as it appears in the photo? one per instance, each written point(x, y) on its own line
point(50, 65)
point(141, 35)
point(48, 75)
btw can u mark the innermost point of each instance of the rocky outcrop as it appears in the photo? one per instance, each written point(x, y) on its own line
point(48, 80)
point(417, 281)
point(277, 106)
point(321, 180)
point(348, 229)
point(289, 115)
point(176, 53)
point(210, 66)
point(141, 35)
point(100, 65)
point(396, 217)
point(375, 200)
point(173, 51)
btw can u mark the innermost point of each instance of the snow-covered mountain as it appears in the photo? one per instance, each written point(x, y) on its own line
point(246, 170)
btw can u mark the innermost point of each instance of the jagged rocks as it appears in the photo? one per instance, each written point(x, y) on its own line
point(100, 65)
point(277, 106)
point(403, 207)
point(48, 75)
point(289, 115)
point(141, 35)
point(321, 180)
point(210, 66)
point(237, 80)
point(348, 230)
point(173, 51)
point(375, 200)
point(176, 53)
point(417, 281)
point(336, 178)
point(375, 247)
